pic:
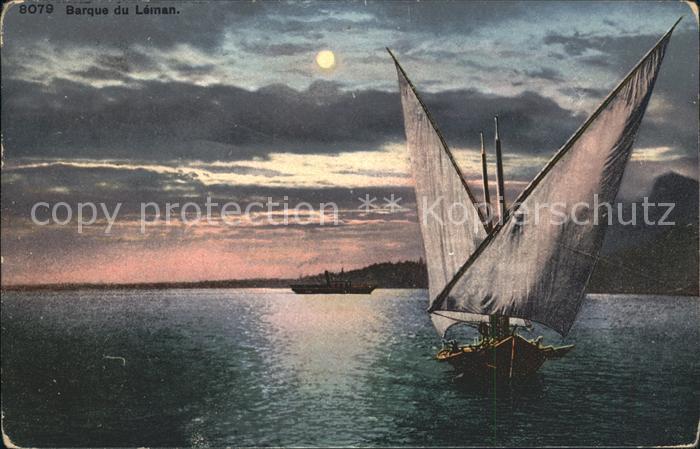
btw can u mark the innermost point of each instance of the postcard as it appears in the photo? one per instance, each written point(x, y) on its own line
point(350, 224)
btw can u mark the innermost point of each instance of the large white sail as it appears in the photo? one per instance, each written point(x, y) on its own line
point(450, 221)
point(537, 264)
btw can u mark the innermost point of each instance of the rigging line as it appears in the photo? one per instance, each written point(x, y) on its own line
point(559, 154)
point(445, 147)
point(437, 312)
point(457, 320)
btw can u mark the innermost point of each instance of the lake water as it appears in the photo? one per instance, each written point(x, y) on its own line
point(270, 368)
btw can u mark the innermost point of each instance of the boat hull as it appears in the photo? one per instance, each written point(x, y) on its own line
point(508, 358)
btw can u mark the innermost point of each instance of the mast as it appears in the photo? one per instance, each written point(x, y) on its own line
point(485, 181)
point(500, 190)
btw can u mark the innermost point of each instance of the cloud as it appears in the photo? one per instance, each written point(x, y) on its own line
point(447, 16)
point(281, 49)
point(153, 120)
point(101, 74)
point(580, 91)
point(384, 168)
point(616, 51)
point(672, 116)
point(545, 73)
point(574, 44)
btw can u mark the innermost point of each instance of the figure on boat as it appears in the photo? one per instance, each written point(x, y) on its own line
point(503, 274)
point(500, 352)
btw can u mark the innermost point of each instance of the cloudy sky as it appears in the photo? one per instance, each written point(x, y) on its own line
point(226, 100)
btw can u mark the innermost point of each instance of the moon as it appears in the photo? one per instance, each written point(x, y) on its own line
point(325, 59)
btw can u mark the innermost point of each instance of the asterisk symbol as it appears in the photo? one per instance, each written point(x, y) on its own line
point(393, 203)
point(367, 203)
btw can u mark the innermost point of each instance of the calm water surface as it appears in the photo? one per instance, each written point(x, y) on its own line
point(266, 367)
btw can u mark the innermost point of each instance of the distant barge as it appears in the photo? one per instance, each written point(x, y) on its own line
point(332, 287)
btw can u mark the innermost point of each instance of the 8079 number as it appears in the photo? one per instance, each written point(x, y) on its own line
point(35, 9)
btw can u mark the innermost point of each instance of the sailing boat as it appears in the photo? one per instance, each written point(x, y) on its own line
point(500, 276)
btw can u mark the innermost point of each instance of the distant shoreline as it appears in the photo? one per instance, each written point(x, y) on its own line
point(277, 284)
point(385, 275)
point(141, 286)
point(242, 284)
point(404, 274)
